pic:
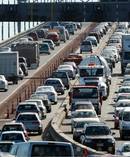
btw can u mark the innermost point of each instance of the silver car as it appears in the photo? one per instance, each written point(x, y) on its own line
point(31, 122)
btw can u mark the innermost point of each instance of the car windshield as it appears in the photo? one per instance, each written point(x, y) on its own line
point(80, 124)
point(126, 116)
point(84, 114)
point(124, 90)
point(97, 130)
point(27, 118)
point(85, 93)
point(126, 148)
point(59, 75)
point(50, 150)
point(27, 108)
point(91, 72)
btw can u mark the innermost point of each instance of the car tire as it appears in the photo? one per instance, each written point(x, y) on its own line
point(40, 131)
point(5, 90)
point(62, 93)
point(55, 102)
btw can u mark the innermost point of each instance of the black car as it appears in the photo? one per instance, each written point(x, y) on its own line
point(99, 137)
point(63, 76)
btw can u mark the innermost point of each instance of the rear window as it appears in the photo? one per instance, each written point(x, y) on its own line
point(59, 75)
point(27, 117)
point(27, 107)
point(50, 82)
point(12, 128)
point(50, 150)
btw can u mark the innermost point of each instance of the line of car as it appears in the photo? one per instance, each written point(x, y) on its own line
point(30, 113)
point(43, 38)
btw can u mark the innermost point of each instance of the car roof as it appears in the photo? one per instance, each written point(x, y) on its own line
point(13, 123)
point(9, 132)
point(123, 100)
point(83, 102)
point(27, 103)
point(126, 109)
point(83, 110)
point(57, 79)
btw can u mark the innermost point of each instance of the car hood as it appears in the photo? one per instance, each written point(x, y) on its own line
point(126, 154)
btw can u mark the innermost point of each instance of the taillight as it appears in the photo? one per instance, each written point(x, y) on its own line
point(85, 152)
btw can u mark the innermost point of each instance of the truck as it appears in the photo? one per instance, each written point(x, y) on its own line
point(9, 65)
point(125, 52)
point(86, 93)
point(29, 50)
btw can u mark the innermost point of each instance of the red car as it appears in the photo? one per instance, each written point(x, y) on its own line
point(54, 36)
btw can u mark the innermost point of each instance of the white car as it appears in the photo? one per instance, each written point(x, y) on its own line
point(92, 39)
point(48, 90)
point(112, 50)
point(31, 121)
point(15, 136)
point(83, 114)
point(69, 69)
point(124, 149)
point(56, 83)
point(73, 64)
point(40, 105)
point(3, 83)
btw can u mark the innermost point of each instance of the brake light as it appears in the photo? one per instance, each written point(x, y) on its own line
point(91, 64)
point(85, 152)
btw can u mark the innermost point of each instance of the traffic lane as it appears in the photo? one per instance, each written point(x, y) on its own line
point(107, 109)
point(108, 105)
point(43, 60)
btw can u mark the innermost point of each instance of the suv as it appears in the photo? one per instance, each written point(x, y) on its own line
point(85, 93)
point(99, 137)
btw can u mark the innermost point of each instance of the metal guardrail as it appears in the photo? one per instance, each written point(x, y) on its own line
point(18, 36)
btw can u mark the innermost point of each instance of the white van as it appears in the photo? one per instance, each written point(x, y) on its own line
point(42, 149)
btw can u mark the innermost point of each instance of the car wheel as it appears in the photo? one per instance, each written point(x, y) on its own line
point(5, 90)
point(40, 131)
point(62, 93)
